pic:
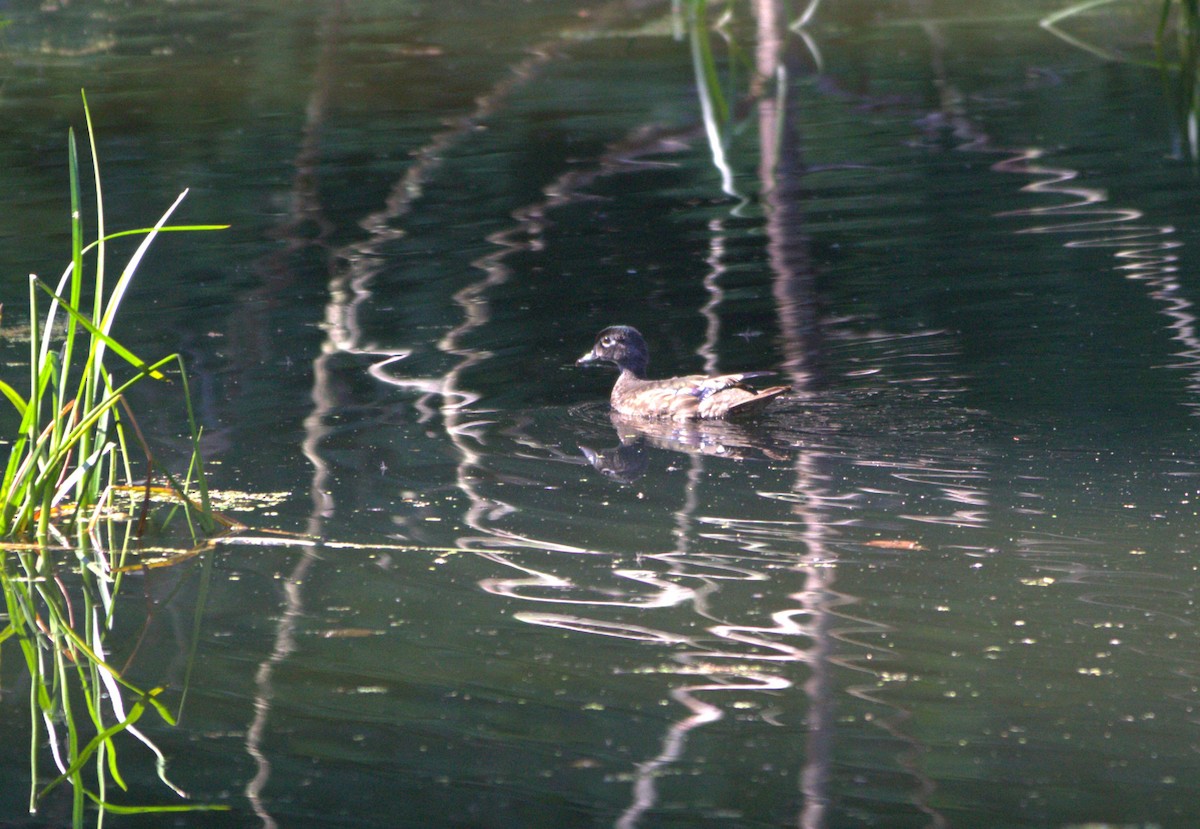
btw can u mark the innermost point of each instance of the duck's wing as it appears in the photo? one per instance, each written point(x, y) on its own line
point(703, 386)
point(692, 396)
point(740, 402)
point(676, 398)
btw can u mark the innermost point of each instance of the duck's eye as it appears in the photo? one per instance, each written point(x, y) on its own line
point(606, 341)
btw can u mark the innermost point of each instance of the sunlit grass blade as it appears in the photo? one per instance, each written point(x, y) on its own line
point(141, 231)
point(14, 397)
point(118, 293)
point(101, 237)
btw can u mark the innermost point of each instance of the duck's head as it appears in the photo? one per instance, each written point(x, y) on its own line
point(622, 345)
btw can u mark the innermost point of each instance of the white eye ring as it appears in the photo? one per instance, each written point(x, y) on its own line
point(606, 341)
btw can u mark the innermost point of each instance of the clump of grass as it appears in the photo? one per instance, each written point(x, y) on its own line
point(65, 486)
point(72, 442)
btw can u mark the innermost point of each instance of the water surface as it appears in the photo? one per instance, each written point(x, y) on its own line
point(948, 582)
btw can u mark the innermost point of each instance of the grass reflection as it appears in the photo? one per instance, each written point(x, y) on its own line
point(739, 83)
point(1184, 91)
point(1180, 71)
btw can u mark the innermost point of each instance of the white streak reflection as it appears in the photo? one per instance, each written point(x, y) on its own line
point(666, 594)
point(1145, 251)
point(579, 624)
point(645, 794)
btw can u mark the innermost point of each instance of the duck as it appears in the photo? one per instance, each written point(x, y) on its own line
point(692, 397)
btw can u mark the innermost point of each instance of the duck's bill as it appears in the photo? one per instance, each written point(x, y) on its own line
point(588, 359)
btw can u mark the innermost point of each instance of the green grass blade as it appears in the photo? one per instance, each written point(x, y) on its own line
point(76, 269)
point(85, 754)
point(197, 464)
point(151, 810)
point(164, 229)
point(15, 398)
point(103, 336)
point(30, 423)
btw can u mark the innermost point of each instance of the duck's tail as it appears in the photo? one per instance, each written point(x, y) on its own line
point(760, 400)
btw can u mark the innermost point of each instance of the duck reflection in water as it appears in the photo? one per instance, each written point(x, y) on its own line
point(693, 397)
point(628, 460)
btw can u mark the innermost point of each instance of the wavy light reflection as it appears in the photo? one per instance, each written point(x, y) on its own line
point(1145, 250)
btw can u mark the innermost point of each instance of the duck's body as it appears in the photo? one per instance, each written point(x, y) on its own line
point(693, 397)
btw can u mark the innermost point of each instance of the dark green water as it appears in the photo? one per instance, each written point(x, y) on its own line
point(950, 581)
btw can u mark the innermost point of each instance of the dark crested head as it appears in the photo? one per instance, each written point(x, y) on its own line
point(622, 345)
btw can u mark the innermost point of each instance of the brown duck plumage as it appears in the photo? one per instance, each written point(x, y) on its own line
point(694, 397)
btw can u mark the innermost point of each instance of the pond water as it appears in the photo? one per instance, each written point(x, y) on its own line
point(949, 581)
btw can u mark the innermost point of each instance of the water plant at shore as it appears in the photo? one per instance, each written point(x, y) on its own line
point(69, 490)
